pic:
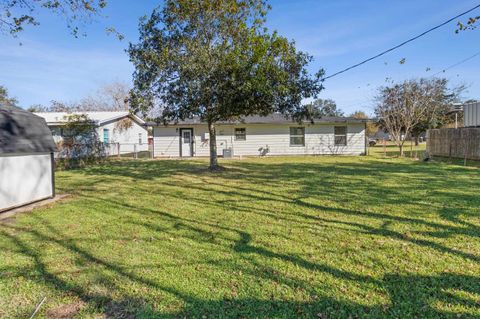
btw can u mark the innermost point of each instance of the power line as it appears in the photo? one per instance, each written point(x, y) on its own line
point(457, 64)
point(401, 44)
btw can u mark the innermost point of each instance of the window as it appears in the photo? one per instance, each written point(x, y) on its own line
point(187, 137)
point(106, 135)
point(140, 138)
point(297, 136)
point(340, 133)
point(240, 134)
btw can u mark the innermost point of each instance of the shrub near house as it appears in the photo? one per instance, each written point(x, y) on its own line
point(80, 143)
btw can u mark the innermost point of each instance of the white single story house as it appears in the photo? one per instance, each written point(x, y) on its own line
point(26, 158)
point(262, 135)
point(108, 126)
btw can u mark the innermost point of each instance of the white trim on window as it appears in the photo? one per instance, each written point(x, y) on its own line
point(340, 135)
point(240, 134)
point(297, 136)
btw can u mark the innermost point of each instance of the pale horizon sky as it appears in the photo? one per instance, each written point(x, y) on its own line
point(53, 65)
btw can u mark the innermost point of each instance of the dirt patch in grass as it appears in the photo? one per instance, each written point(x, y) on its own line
point(65, 311)
point(125, 308)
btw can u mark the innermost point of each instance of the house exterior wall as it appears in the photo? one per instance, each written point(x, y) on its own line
point(136, 134)
point(262, 139)
point(25, 178)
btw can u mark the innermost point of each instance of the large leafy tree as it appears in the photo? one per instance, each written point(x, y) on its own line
point(323, 108)
point(215, 59)
point(16, 14)
point(440, 114)
point(411, 107)
point(371, 127)
point(5, 99)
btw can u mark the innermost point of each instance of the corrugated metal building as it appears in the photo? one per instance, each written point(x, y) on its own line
point(472, 114)
point(26, 158)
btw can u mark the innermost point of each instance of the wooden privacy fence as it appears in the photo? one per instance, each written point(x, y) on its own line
point(450, 142)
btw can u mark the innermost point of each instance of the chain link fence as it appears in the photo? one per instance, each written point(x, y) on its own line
point(129, 150)
point(72, 155)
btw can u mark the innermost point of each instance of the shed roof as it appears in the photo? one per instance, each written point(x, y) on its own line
point(24, 132)
point(270, 119)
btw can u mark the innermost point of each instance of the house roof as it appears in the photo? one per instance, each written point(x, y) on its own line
point(271, 119)
point(59, 118)
point(24, 132)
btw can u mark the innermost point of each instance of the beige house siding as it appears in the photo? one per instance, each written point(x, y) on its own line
point(262, 139)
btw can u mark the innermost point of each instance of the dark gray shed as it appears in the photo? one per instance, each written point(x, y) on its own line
point(26, 158)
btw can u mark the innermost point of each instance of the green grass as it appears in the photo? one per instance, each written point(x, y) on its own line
point(312, 237)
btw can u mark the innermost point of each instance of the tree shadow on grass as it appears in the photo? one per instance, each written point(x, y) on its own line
point(365, 180)
point(410, 295)
point(304, 219)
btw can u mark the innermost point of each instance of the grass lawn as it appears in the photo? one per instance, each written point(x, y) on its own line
point(312, 237)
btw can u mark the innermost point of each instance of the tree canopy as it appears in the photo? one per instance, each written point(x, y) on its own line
point(407, 108)
point(5, 99)
point(110, 97)
point(371, 126)
point(16, 14)
point(470, 24)
point(323, 108)
point(214, 59)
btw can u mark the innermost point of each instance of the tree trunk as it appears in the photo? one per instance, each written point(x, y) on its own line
point(401, 150)
point(213, 147)
point(417, 140)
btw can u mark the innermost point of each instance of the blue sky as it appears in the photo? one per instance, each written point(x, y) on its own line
point(53, 65)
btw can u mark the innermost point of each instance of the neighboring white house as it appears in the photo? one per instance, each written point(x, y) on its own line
point(255, 135)
point(107, 124)
point(26, 158)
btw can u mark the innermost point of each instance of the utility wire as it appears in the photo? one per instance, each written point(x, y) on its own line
point(457, 64)
point(400, 45)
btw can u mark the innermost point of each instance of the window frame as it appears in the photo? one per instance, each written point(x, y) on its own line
point(107, 140)
point(297, 135)
point(236, 135)
point(140, 138)
point(335, 135)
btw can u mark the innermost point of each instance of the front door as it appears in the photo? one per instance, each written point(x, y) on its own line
point(186, 142)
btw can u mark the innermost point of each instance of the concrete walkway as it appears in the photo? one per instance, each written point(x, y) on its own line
point(28, 208)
